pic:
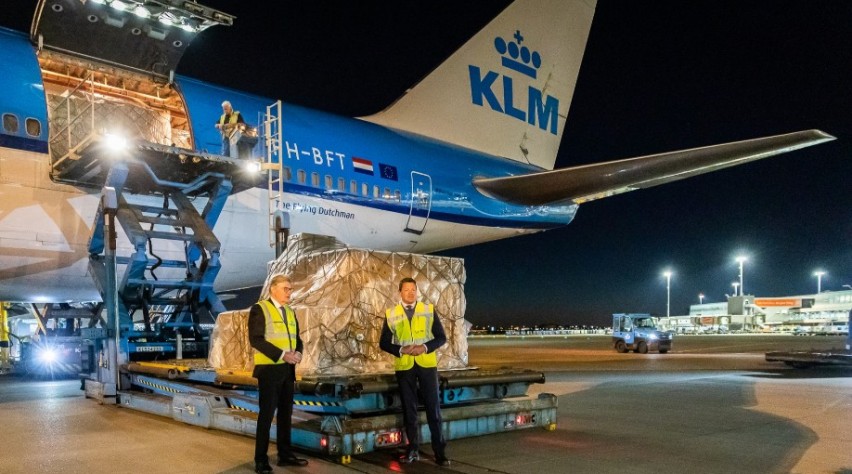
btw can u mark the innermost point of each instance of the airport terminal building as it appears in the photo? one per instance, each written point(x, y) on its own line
point(823, 313)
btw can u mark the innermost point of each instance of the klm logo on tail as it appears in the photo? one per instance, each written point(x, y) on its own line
point(540, 110)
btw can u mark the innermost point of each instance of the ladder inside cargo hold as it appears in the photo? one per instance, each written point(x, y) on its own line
point(174, 295)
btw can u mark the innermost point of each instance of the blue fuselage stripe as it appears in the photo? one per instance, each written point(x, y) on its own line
point(22, 143)
point(404, 208)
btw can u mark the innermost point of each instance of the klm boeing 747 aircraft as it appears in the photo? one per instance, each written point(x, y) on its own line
point(463, 157)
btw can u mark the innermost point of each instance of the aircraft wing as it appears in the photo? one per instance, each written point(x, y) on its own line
point(585, 183)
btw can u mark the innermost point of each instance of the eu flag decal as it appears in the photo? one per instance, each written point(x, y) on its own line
point(388, 172)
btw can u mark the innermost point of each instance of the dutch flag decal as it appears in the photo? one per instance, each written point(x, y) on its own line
point(362, 166)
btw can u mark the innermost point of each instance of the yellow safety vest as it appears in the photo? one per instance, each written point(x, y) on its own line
point(418, 331)
point(231, 119)
point(280, 333)
point(4, 326)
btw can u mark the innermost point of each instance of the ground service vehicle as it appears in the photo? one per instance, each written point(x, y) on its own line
point(638, 332)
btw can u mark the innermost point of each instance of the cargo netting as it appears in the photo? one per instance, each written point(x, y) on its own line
point(340, 295)
point(74, 118)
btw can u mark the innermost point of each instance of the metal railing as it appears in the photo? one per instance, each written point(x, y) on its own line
point(75, 129)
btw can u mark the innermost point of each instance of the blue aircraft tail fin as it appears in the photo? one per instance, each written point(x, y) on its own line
point(506, 92)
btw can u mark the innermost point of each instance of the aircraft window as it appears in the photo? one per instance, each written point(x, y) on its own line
point(315, 182)
point(365, 189)
point(33, 127)
point(387, 194)
point(375, 191)
point(302, 176)
point(288, 174)
point(353, 187)
point(10, 123)
point(329, 183)
point(397, 195)
point(341, 184)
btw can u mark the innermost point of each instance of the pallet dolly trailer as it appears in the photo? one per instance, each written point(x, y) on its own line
point(337, 416)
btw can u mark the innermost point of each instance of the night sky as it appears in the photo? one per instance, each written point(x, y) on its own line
point(657, 76)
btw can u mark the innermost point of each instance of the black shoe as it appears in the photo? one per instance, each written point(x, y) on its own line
point(291, 460)
point(442, 461)
point(411, 457)
point(262, 468)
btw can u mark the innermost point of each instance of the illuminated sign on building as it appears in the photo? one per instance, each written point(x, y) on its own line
point(778, 302)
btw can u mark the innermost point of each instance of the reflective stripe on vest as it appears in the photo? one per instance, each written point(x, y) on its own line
point(282, 335)
point(231, 119)
point(418, 331)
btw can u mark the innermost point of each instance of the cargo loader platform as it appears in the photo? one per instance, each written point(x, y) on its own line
point(338, 416)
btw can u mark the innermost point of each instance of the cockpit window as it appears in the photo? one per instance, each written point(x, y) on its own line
point(10, 123)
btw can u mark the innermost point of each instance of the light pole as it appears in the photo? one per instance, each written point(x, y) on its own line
point(700, 298)
point(741, 259)
point(819, 274)
point(668, 275)
point(735, 285)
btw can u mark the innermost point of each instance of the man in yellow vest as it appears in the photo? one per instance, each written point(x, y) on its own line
point(274, 334)
point(412, 334)
point(226, 125)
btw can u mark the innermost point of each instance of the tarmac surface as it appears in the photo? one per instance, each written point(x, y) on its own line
point(711, 405)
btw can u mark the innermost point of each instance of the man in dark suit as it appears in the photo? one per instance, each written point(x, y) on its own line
point(411, 334)
point(274, 335)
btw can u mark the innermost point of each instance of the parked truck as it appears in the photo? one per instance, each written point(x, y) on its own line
point(638, 332)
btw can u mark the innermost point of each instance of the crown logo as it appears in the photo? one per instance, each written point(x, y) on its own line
point(519, 57)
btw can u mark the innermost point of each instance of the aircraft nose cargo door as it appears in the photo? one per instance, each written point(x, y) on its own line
point(421, 202)
point(148, 37)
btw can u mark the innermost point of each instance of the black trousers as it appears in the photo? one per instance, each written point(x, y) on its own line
point(275, 386)
point(427, 381)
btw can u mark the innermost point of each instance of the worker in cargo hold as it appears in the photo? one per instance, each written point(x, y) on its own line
point(227, 124)
point(412, 335)
point(274, 334)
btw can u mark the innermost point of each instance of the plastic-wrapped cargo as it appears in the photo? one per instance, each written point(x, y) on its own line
point(229, 343)
point(340, 295)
